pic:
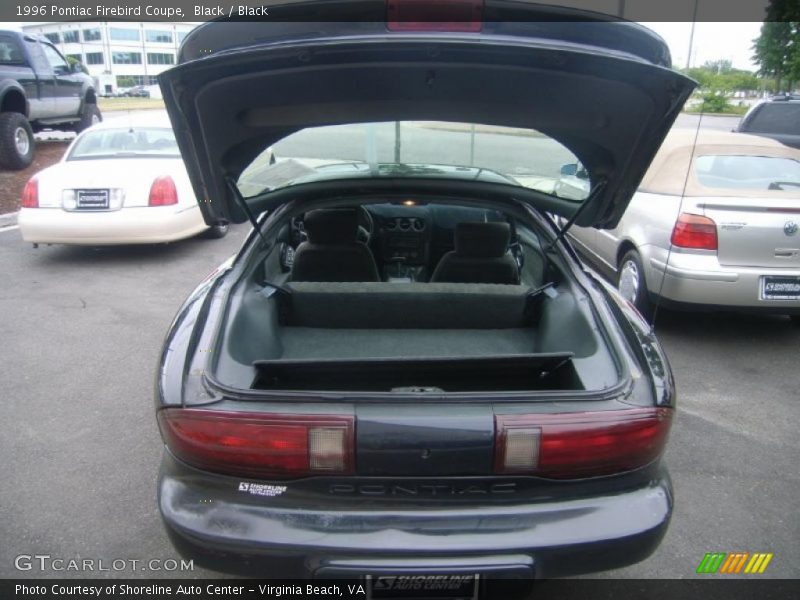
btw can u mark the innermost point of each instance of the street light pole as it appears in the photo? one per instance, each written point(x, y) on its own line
point(691, 35)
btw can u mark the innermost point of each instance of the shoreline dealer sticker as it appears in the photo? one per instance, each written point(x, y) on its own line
point(453, 587)
point(260, 489)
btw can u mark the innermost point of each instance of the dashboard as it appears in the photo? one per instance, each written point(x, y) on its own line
point(404, 239)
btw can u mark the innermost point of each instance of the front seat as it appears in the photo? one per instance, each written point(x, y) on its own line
point(332, 252)
point(481, 256)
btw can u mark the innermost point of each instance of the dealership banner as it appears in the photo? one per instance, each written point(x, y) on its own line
point(363, 10)
point(430, 587)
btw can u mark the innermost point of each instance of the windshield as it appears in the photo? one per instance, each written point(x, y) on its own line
point(436, 149)
point(748, 172)
point(126, 142)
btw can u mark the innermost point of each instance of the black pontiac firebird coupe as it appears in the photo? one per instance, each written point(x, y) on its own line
point(406, 369)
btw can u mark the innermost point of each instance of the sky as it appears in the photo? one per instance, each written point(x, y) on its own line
point(712, 41)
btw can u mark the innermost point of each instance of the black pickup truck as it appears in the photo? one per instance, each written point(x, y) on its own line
point(39, 90)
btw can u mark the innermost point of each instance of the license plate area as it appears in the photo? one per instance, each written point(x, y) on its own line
point(95, 199)
point(423, 587)
point(431, 578)
point(780, 287)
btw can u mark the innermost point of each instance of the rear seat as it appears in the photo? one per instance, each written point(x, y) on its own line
point(381, 305)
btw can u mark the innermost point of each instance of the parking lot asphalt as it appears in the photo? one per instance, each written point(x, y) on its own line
point(80, 334)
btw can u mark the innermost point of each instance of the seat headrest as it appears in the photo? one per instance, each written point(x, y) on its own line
point(331, 225)
point(482, 240)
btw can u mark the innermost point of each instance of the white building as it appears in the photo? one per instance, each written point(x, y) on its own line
point(117, 54)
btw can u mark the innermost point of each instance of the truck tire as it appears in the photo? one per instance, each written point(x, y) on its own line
point(91, 115)
point(16, 141)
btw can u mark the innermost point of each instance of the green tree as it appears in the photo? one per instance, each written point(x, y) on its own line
point(705, 78)
point(715, 102)
point(720, 66)
point(777, 49)
point(720, 76)
point(742, 80)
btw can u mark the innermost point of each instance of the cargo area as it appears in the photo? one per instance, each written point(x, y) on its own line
point(421, 374)
point(412, 337)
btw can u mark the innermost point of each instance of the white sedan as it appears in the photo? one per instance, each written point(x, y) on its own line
point(118, 183)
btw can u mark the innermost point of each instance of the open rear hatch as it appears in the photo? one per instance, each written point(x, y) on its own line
point(605, 90)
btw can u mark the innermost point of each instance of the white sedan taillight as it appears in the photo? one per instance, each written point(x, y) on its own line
point(163, 192)
point(30, 194)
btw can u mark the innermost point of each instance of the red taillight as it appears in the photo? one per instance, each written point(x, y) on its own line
point(30, 194)
point(163, 192)
point(576, 445)
point(435, 15)
point(259, 445)
point(694, 231)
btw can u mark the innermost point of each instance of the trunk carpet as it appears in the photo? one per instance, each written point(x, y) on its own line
point(312, 342)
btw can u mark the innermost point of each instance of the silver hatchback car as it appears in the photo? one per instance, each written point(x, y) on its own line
point(713, 225)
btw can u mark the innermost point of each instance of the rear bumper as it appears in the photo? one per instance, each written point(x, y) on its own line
point(692, 280)
point(212, 523)
point(132, 225)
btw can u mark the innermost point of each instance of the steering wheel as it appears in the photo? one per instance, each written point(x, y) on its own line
point(366, 226)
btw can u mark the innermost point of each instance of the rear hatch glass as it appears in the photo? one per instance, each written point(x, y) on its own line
point(515, 156)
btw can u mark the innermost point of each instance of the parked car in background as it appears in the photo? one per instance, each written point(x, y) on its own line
point(39, 90)
point(712, 226)
point(120, 182)
point(408, 371)
point(777, 118)
point(138, 91)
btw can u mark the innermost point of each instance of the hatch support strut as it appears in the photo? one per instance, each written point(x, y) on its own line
point(234, 189)
point(563, 231)
point(596, 190)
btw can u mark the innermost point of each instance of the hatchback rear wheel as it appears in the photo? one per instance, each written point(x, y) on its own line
point(632, 285)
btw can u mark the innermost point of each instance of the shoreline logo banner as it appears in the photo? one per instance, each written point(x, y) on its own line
point(733, 563)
